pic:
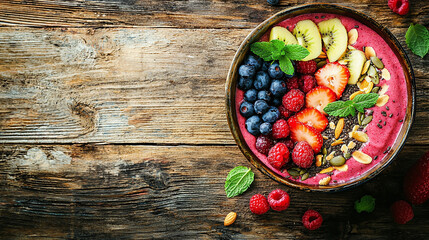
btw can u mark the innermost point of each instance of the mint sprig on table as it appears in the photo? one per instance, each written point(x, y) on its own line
point(346, 108)
point(417, 39)
point(238, 181)
point(277, 50)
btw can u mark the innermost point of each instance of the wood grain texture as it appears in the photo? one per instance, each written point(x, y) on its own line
point(124, 85)
point(129, 192)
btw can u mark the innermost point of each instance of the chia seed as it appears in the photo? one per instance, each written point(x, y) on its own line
point(322, 17)
point(384, 123)
point(379, 121)
point(317, 17)
point(383, 113)
point(391, 115)
point(378, 125)
point(401, 120)
point(356, 26)
point(387, 108)
point(375, 158)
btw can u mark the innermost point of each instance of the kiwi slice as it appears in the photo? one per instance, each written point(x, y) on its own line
point(354, 61)
point(282, 34)
point(335, 39)
point(307, 34)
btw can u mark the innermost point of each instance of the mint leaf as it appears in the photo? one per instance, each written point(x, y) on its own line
point(277, 45)
point(340, 108)
point(295, 52)
point(286, 65)
point(263, 50)
point(362, 101)
point(417, 39)
point(238, 181)
point(366, 203)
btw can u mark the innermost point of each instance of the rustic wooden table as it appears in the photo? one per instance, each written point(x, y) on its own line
point(113, 126)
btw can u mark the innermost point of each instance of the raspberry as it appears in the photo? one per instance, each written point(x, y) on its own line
point(308, 83)
point(400, 7)
point(312, 220)
point(307, 67)
point(289, 143)
point(278, 155)
point(258, 204)
point(416, 181)
point(263, 144)
point(402, 212)
point(284, 112)
point(292, 83)
point(280, 129)
point(279, 200)
point(302, 154)
point(293, 100)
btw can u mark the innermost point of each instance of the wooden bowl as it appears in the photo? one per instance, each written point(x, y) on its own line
point(319, 8)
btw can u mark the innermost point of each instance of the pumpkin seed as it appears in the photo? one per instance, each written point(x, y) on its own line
point(377, 62)
point(372, 73)
point(375, 90)
point(304, 176)
point(337, 161)
point(321, 64)
point(359, 117)
point(361, 78)
point(324, 151)
point(324, 160)
point(302, 171)
point(376, 79)
point(293, 172)
point(347, 155)
point(367, 120)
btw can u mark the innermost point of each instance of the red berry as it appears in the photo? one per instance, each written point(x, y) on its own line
point(258, 204)
point(319, 97)
point(263, 144)
point(312, 220)
point(302, 155)
point(402, 212)
point(302, 132)
point(284, 112)
point(400, 7)
point(416, 182)
point(289, 143)
point(292, 83)
point(293, 100)
point(278, 155)
point(308, 83)
point(312, 117)
point(280, 129)
point(279, 200)
point(307, 67)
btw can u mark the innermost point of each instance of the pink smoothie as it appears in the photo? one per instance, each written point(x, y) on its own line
point(379, 139)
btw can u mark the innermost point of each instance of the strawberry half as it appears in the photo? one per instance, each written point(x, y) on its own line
point(301, 132)
point(334, 76)
point(319, 97)
point(313, 118)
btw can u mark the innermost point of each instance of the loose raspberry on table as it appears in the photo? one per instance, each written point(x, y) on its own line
point(306, 67)
point(280, 129)
point(284, 112)
point(302, 154)
point(400, 7)
point(279, 200)
point(292, 83)
point(312, 219)
point(402, 212)
point(278, 155)
point(416, 181)
point(263, 144)
point(258, 204)
point(293, 100)
point(308, 83)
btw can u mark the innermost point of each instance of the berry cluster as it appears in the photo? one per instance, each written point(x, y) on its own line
point(278, 200)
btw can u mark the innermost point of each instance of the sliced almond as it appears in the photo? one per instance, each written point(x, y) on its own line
point(366, 85)
point(365, 66)
point(355, 128)
point(382, 100)
point(383, 89)
point(343, 61)
point(360, 136)
point(353, 36)
point(369, 52)
point(385, 74)
point(339, 128)
point(330, 156)
point(362, 157)
point(344, 148)
point(351, 47)
point(332, 125)
point(355, 94)
point(342, 168)
point(337, 142)
point(325, 137)
point(350, 134)
point(351, 145)
point(325, 181)
point(230, 218)
point(327, 170)
point(319, 160)
point(322, 55)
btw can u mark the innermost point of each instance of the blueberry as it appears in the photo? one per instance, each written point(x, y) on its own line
point(252, 125)
point(246, 109)
point(262, 80)
point(264, 95)
point(265, 128)
point(276, 102)
point(278, 88)
point(261, 107)
point(245, 83)
point(273, 2)
point(253, 61)
point(274, 71)
point(271, 116)
point(251, 95)
point(246, 71)
point(265, 66)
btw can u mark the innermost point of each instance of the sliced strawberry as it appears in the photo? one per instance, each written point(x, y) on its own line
point(301, 132)
point(312, 117)
point(319, 97)
point(334, 76)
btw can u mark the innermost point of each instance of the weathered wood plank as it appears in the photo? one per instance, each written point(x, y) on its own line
point(128, 85)
point(112, 191)
point(181, 14)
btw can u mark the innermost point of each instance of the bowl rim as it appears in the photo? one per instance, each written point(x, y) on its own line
point(231, 93)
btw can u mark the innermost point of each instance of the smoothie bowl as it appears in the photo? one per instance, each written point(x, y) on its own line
point(320, 97)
